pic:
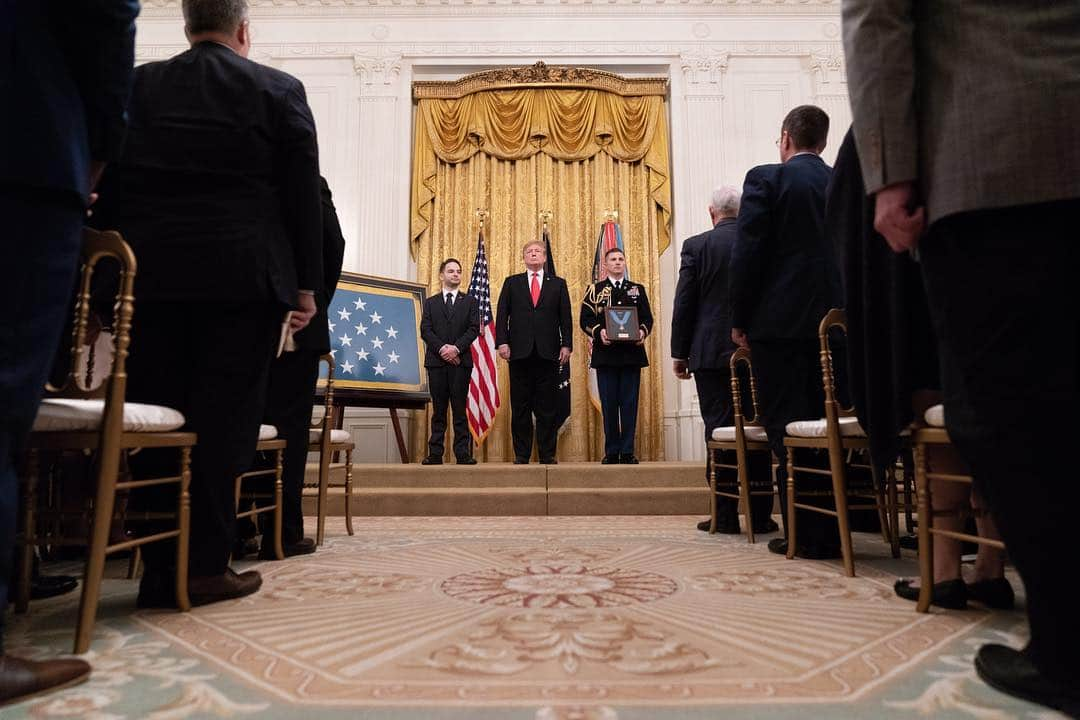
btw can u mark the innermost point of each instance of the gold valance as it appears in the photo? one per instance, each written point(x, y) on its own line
point(569, 124)
point(540, 75)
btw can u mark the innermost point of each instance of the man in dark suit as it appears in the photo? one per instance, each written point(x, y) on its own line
point(292, 386)
point(217, 191)
point(999, 263)
point(448, 326)
point(533, 332)
point(65, 78)
point(784, 278)
point(617, 363)
point(701, 344)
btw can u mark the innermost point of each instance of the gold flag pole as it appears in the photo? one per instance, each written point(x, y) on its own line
point(545, 216)
point(481, 213)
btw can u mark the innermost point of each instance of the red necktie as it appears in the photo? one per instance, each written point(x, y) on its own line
point(534, 288)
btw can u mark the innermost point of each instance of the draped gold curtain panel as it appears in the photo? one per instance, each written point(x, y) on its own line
point(515, 151)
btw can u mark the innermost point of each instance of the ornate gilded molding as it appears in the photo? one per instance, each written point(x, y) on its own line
point(539, 74)
point(704, 68)
point(354, 8)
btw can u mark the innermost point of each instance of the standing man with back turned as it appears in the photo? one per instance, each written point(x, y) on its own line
point(701, 343)
point(965, 120)
point(533, 332)
point(449, 324)
point(784, 278)
point(617, 363)
point(217, 191)
point(65, 78)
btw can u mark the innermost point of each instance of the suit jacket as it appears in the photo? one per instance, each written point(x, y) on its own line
point(66, 69)
point(784, 275)
point(598, 298)
point(977, 100)
point(458, 326)
point(701, 313)
point(544, 328)
point(217, 189)
point(316, 336)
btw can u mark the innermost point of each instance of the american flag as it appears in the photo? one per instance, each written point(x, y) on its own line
point(483, 383)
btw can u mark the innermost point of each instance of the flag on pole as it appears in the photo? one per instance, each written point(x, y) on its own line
point(483, 400)
point(562, 381)
point(610, 237)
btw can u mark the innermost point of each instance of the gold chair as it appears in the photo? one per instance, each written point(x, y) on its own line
point(268, 443)
point(328, 442)
point(935, 435)
point(744, 437)
point(74, 417)
point(840, 434)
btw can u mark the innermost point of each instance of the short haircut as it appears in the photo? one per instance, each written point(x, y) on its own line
point(446, 262)
point(808, 126)
point(529, 244)
point(614, 250)
point(202, 16)
point(725, 200)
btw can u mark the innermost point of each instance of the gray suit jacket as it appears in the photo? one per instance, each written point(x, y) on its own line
point(978, 101)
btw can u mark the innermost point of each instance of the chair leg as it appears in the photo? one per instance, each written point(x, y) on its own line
point(909, 505)
point(183, 540)
point(324, 486)
point(108, 468)
point(744, 493)
point(710, 473)
point(881, 480)
point(839, 479)
point(926, 540)
point(894, 511)
point(792, 524)
point(134, 563)
point(279, 551)
point(348, 491)
point(24, 557)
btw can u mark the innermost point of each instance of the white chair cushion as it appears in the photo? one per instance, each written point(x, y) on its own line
point(935, 416)
point(336, 436)
point(65, 415)
point(754, 432)
point(849, 427)
point(267, 432)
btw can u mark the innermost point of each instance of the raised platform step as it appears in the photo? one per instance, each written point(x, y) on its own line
point(651, 488)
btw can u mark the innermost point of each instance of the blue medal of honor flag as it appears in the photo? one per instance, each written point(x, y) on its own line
point(374, 337)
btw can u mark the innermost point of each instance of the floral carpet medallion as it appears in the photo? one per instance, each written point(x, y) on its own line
point(541, 619)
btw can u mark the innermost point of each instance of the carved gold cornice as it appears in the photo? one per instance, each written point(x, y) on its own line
point(538, 75)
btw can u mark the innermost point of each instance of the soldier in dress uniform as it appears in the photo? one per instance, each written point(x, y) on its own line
point(617, 363)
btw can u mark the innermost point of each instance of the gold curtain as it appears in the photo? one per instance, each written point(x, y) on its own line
point(515, 153)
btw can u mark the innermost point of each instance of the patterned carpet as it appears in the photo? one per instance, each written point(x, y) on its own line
point(534, 618)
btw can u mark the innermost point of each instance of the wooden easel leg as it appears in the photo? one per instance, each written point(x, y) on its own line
point(397, 433)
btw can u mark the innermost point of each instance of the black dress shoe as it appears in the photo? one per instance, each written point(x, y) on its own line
point(244, 547)
point(951, 594)
point(23, 679)
point(721, 527)
point(704, 525)
point(47, 586)
point(769, 526)
point(909, 542)
point(159, 591)
point(466, 461)
point(628, 460)
point(610, 460)
point(996, 594)
point(809, 552)
point(303, 546)
point(431, 460)
point(521, 461)
point(1011, 672)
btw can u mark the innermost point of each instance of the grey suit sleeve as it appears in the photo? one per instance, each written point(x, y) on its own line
point(297, 174)
point(880, 48)
point(685, 308)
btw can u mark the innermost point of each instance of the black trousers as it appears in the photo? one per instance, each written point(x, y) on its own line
point(788, 378)
point(717, 410)
point(39, 251)
point(619, 388)
point(449, 386)
point(210, 361)
point(289, 400)
point(532, 392)
point(1006, 308)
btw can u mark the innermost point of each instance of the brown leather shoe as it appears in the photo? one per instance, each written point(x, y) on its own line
point(229, 586)
point(23, 679)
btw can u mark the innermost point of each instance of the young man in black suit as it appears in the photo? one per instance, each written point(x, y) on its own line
point(701, 344)
point(65, 76)
point(784, 278)
point(618, 363)
point(217, 191)
point(450, 323)
point(533, 332)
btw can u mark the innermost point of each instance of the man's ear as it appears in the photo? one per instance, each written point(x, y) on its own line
point(243, 37)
